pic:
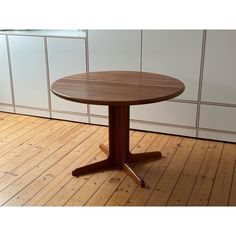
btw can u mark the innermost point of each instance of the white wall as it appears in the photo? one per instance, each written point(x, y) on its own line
point(176, 53)
point(114, 49)
point(208, 111)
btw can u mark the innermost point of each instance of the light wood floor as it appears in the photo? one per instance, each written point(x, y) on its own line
point(37, 156)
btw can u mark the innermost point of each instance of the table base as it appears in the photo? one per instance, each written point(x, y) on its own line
point(118, 153)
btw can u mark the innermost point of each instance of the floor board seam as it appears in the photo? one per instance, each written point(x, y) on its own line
point(212, 186)
point(181, 173)
point(127, 175)
point(163, 173)
point(197, 175)
point(32, 168)
point(147, 171)
point(64, 168)
point(231, 185)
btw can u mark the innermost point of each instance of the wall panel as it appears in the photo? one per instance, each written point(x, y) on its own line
point(29, 71)
point(175, 53)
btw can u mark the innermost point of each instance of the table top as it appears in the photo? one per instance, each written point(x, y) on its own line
point(117, 87)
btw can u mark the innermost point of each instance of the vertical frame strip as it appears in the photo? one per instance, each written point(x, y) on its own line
point(204, 35)
point(87, 69)
point(48, 76)
point(141, 51)
point(10, 74)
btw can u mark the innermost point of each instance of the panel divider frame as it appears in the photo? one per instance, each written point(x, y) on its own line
point(10, 74)
point(48, 76)
point(204, 35)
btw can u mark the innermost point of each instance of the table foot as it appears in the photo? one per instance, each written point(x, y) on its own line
point(147, 156)
point(131, 173)
point(104, 148)
point(91, 168)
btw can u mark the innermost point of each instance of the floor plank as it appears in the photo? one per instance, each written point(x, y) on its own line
point(24, 154)
point(202, 188)
point(36, 185)
point(232, 199)
point(84, 193)
point(37, 156)
point(184, 186)
point(224, 177)
point(16, 130)
point(30, 155)
point(167, 183)
point(128, 186)
point(12, 183)
point(92, 149)
point(75, 185)
point(102, 195)
point(4, 115)
point(141, 195)
point(9, 121)
point(24, 142)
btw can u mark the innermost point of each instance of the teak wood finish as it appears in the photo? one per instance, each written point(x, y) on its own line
point(118, 90)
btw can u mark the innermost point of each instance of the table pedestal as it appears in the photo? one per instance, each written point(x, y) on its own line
point(119, 155)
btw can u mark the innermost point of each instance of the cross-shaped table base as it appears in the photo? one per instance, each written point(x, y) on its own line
point(119, 155)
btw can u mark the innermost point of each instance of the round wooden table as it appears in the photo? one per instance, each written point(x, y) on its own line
point(118, 90)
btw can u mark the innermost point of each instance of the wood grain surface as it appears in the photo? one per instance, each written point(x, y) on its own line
point(117, 87)
point(36, 165)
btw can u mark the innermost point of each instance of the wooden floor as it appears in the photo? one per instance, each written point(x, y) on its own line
point(37, 156)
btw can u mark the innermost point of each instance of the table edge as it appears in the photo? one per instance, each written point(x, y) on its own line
point(110, 103)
